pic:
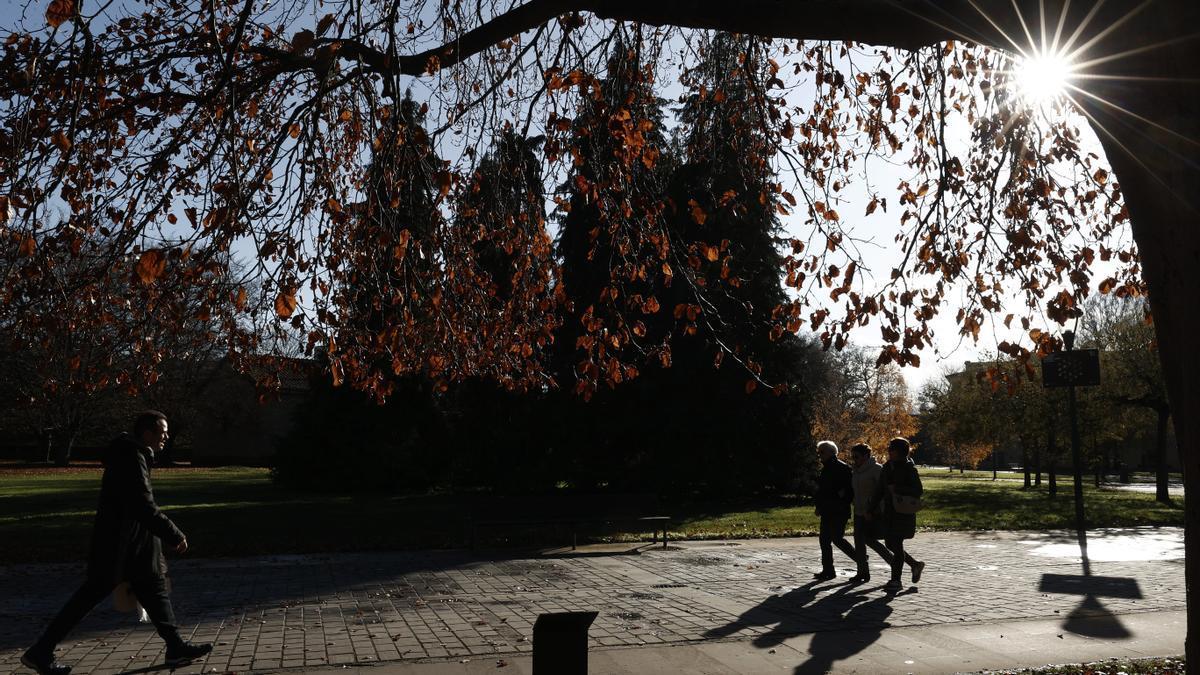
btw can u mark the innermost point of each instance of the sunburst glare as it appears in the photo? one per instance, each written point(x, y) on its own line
point(1041, 80)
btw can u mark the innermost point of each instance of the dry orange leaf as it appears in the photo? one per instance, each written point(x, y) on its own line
point(285, 303)
point(59, 12)
point(151, 266)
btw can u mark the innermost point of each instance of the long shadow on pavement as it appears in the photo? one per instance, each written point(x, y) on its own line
point(843, 622)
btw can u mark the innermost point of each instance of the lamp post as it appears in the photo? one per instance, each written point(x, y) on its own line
point(1073, 368)
point(1069, 342)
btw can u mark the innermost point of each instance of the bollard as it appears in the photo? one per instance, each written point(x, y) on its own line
point(560, 643)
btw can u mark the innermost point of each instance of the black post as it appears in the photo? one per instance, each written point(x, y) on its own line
point(560, 643)
point(1069, 341)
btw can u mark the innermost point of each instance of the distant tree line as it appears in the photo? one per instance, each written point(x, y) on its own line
point(969, 416)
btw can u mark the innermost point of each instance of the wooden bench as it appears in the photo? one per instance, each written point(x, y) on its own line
point(570, 512)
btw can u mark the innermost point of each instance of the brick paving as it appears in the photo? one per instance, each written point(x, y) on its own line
point(343, 609)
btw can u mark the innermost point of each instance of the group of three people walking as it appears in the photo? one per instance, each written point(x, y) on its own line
point(883, 500)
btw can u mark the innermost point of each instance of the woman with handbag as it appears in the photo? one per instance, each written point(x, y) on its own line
point(899, 493)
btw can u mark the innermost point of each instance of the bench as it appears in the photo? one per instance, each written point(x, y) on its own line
point(571, 512)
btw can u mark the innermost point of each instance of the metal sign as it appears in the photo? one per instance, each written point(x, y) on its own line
point(1077, 368)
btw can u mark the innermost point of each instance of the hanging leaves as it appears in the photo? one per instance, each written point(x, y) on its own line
point(150, 266)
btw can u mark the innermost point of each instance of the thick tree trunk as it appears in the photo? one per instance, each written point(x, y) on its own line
point(63, 447)
point(1052, 458)
point(47, 439)
point(1162, 490)
point(1154, 153)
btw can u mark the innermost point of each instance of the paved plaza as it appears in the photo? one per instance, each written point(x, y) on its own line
point(453, 611)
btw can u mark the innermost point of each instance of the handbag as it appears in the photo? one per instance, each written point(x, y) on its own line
point(906, 504)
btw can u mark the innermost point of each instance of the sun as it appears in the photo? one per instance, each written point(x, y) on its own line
point(1041, 80)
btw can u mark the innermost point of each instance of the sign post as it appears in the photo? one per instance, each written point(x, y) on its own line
point(1070, 369)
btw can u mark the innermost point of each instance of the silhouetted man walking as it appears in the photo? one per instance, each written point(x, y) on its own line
point(834, 495)
point(127, 545)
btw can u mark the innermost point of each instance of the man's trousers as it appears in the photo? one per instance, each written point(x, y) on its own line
point(833, 533)
point(151, 594)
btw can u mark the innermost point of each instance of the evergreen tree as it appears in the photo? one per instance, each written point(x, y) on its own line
point(725, 232)
point(612, 219)
point(500, 437)
point(610, 224)
point(343, 438)
point(695, 417)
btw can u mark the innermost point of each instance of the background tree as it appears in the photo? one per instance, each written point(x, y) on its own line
point(89, 354)
point(1131, 369)
point(861, 401)
point(956, 415)
point(727, 299)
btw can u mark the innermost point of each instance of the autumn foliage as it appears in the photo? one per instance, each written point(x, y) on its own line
point(158, 146)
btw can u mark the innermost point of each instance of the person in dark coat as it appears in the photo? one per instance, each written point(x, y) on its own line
point(834, 496)
point(867, 524)
point(899, 477)
point(127, 545)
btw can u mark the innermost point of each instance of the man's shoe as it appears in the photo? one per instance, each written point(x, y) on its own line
point(43, 664)
point(917, 568)
point(825, 576)
point(860, 578)
point(893, 585)
point(185, 652)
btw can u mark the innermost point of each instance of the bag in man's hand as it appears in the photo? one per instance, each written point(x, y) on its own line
point(125, 601)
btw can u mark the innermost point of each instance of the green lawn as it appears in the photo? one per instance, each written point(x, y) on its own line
point(45, 515)
point(1064, 474)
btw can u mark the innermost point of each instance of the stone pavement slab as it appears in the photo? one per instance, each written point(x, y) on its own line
point(731, 603)
point(928, 650)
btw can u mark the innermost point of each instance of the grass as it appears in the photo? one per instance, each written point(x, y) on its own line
point(1064, 474)
point(46, 514)
point(950, 504)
